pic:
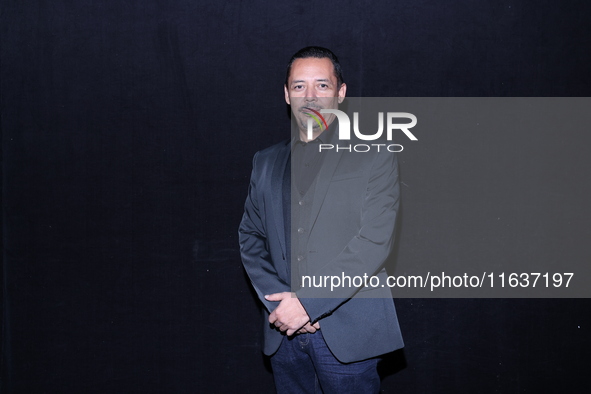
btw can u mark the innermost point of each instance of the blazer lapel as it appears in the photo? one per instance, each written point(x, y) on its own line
point(279, 168)
point(323, 181)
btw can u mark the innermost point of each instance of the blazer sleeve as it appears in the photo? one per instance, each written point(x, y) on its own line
point(254, 242)
point(366, 252)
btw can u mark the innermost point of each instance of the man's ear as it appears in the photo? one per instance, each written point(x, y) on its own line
point(342, 92)
point(286, 94)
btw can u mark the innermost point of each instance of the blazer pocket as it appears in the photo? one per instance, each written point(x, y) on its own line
point(346, 175)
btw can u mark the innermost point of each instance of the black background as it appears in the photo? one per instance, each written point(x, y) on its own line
point(128, 129)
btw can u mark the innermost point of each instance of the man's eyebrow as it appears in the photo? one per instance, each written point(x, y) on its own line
point(317, 80)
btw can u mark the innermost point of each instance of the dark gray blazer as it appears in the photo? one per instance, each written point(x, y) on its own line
point(355, 207)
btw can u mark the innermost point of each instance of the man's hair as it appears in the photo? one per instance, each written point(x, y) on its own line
point(318, 53)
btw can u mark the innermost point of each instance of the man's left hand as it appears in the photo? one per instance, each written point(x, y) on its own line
point(290, 315)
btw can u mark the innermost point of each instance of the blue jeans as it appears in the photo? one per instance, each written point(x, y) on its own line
point(304, 364)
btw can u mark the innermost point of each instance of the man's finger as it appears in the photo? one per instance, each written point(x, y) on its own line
point(272, 317)
point(276, 296)
point(307, 329)
point(290, 332)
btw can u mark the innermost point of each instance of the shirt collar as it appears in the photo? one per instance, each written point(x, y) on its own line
point(323, 138)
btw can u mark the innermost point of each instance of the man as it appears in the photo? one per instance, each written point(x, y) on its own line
point(334, 213)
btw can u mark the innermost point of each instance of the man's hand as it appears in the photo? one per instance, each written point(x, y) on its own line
point(290, 315)
point(309, 328)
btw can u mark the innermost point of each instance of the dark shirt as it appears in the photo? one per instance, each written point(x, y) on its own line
point(306, 160)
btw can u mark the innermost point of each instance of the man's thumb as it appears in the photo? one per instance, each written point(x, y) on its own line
point(274, 297)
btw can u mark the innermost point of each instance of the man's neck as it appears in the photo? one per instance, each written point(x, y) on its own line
point(315, 133)
point(304, 135)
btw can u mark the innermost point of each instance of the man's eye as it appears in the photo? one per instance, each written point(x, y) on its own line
point(323, 85)
point(297, 87)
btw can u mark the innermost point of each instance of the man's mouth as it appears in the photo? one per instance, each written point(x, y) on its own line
point(310, 110)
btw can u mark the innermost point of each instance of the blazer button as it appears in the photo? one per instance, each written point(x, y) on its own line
point(300, 258)
point(300, 230)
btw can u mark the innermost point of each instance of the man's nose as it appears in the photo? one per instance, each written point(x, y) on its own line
point(311, 96)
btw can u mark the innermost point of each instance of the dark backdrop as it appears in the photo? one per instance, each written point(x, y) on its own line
point(128, 132)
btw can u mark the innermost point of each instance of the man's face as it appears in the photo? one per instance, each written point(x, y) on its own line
point(312, 84)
